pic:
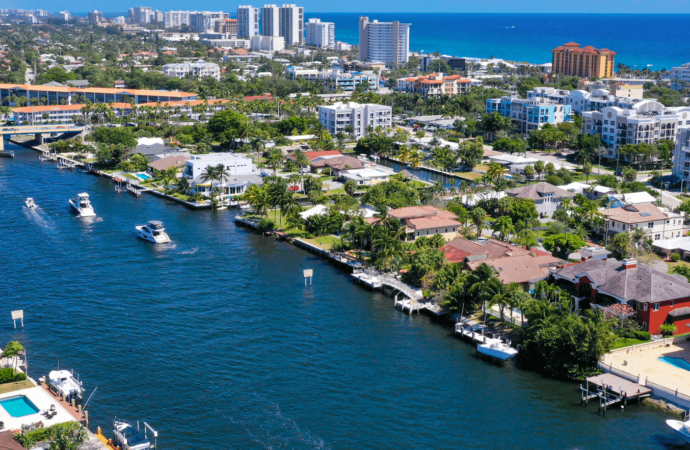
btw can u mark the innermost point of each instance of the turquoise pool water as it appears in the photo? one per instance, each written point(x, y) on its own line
point(678, 362)
point(19, 406)
point(143, 176)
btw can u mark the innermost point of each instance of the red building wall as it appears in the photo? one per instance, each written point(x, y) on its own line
point(655, 319)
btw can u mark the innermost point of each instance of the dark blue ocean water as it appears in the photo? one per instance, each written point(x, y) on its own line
point(639, 39)
point(215, 341)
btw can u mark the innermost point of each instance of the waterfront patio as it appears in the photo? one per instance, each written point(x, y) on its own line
point(43, 400)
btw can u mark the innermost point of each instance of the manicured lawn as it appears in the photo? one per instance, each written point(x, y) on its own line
point(482, 167)
point(620, 343)
point(336, 192)
point(16, 386)
point(468, 175)
point(325, 242)
point(671, 264)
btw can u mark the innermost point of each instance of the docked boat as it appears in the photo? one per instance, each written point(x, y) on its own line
point(153, 231)
point(129, 437)
point(682, 429)
point(29, 202)
point(497, 349)
point(64, 383)
point(81, 205)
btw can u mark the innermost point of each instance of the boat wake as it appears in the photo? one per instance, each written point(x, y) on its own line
point(273, 430)
point(189, 252)
point(40, 218)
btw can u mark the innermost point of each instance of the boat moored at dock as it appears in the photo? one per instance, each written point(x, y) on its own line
point(153, 231)
point(81, 205)
point(64, 383)
point(496, 348)
point(129, 437)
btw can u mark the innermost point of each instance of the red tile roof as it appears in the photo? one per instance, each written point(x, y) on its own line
point(313, 155)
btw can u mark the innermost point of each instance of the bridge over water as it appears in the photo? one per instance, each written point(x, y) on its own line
point(38, 131)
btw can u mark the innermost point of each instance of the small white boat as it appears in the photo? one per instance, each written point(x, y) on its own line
point(81, 205)
point(153, 231)
point(245, 206)
point(497, 349)
point(63, 382)
point(682, 429)
point(129, 437)
point(29, 202)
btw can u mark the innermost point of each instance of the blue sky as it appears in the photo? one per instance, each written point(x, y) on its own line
point(357, 6)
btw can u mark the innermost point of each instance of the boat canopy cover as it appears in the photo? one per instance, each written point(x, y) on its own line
point(134, 437)
point(83, 194)
point(155, 224)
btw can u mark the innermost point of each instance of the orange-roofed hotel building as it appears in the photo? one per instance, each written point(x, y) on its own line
point(57, 95)
point(570, 59)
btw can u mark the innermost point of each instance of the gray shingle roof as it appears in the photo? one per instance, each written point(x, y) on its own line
point(537, 191)
point(643, 283)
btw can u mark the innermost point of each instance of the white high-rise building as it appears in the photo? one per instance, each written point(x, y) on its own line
point(267, 43)
point(384, 41)
point(95, 17)
point(176, 18)
point(65, 16)
point(292, 24)
point(120, 20)
point(320, 34)
point(270, 20)
point(247, 21)
point(142, 14)
point(203, 21)
point(157, 16)
point(336, 117)
point(680, 76)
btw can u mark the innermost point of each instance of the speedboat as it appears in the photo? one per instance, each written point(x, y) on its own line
point(30, 203)
point(64, 383)
point(153, 231)
point(129, 437)
point(682, 429)
point(82, 205)
point(497, 349)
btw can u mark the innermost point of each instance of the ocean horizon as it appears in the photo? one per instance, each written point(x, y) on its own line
point(530, 36)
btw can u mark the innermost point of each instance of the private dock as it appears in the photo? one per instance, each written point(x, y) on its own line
point(473, 332)
point(611, 389)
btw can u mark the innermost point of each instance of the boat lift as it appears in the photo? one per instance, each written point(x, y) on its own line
point(611, 389)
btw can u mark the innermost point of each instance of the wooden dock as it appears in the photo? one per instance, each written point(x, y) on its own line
point(611, 389)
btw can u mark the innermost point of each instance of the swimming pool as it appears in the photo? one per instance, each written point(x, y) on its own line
point(678, 362)
point(18, 406)
point(143, 176)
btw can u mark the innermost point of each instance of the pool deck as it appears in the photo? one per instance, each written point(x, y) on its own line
point(42, 399)
point(646, 364)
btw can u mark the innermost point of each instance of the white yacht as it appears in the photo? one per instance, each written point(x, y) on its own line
point(682, 429)
point(497, 349)
point(82, 205)
point(63, 382)
point(129, 437)
point(30, 203)
point(153, 231)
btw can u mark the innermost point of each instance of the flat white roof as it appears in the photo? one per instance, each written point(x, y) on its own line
point(636, 197)
point(367, 173)
point(513, 159)
point(682, 243)
point(219, 157)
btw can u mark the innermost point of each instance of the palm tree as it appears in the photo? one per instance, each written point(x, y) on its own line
point(221, 174)
point(210, 174)
point(495, 171)
point(11, 351)
point(478, 217)
point(503, 226)
point(274, 160)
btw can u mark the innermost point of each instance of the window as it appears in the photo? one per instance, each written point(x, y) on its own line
point(650, 225)
point(639, 306)
point(657, 237)
point(656, 307)
point(645, 306)
point(673, 302)
point(644, 326)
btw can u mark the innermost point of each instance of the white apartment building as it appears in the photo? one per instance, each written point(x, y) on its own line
point(342, 46)
point(337, 78)
point(247, 21)
point(267, 43)
point(95, 17)
point(339, 115)
point(198, 69)
point(320, 34)
point(157, 17)
point(270, 20)
point(681, 156)
point(203, 21)
point(120, 20)
point(292, 24)
point(228, 42)
point(65, 16)
point(176, 18)
point(581, 101)
point(646, 122)
point(384, 41)
point(680, 76)
point(142, 14)
point(657, 223)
